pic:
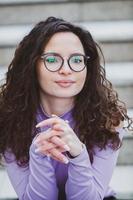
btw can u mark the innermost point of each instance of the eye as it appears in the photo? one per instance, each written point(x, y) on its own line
point(77, 59)
point(51, 59)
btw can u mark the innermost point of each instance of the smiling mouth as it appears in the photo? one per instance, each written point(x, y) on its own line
point(65, 83)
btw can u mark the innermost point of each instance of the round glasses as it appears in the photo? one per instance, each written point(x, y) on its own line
point(54, 62)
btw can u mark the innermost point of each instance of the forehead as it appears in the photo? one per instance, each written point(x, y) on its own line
point(64, 43)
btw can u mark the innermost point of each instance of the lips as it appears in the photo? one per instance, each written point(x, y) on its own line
point(65, 83)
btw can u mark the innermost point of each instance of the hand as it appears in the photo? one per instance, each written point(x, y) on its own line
point(58, 139)
point(51, 145)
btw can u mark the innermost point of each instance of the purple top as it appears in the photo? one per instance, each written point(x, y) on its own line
point(47, 179)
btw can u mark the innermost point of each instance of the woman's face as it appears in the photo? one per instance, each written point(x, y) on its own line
point(64, 83)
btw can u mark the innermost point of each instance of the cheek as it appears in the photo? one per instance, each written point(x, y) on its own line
point(82, 78)
point(42, 75)
point(44, 81)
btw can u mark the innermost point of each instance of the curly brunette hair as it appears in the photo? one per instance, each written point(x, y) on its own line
point(97, 108)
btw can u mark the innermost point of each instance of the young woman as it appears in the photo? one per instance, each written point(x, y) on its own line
point(60, 120)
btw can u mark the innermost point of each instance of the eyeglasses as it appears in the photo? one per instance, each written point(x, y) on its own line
point(54, 61)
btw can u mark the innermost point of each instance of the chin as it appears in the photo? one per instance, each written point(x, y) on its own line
point(66, 95)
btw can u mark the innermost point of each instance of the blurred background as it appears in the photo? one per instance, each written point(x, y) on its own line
point(111, 24)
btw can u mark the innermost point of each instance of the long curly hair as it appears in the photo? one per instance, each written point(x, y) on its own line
point(97, 108)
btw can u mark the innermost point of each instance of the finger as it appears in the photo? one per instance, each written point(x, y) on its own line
point(54, 143)
point(50, 122)
point(53, 115)
point(47, 146)
point(39, 135)
point(47, 152)
point(61, 149)
point(42, 136)
point(56, 158)
point(66, 121)
point(61, 127)
point(54, 153)
point(47, 135)
point(60, 143)
point(38, 150)
point(47, 122)
point(59, 156)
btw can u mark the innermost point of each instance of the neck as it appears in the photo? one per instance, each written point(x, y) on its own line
point(57, 106)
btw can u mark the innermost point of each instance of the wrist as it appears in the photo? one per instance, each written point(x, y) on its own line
point(69, 155)
point(72, 155)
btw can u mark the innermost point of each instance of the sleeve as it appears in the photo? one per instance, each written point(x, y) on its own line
point(35, 182)
point(88, 181)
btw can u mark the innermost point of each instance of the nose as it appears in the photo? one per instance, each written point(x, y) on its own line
point(65, 69)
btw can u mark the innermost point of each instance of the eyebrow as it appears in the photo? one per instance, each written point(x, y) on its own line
point(61, 55)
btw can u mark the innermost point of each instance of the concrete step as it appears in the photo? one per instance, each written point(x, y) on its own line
point(126, 151)
point(117, 51)
point(6, 189)
point(17, 12)
point(120, 74)
point(11, 2)
point(125, 94)
point(110, 31)
point(3, 71)
point(125, 157)
point(122, 182)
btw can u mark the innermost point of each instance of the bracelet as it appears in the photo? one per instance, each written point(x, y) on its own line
point(69, 155)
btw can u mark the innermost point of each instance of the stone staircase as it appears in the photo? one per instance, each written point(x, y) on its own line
point(111, 24)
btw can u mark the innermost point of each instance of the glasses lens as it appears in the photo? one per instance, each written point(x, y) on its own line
point(53, 62)
point(77, 62)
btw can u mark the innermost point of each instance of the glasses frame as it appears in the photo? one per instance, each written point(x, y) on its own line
point(44, 55)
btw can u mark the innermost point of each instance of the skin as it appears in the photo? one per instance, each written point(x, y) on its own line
point(57, 99)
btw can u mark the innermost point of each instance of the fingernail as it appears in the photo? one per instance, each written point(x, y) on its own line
point(53, 115)
point(37, 125)
point(65, 160)
point(67, 147)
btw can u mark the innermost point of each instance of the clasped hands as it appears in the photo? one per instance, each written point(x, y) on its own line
point(59, 138)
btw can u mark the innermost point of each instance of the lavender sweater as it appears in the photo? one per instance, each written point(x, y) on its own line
point(47, 179)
